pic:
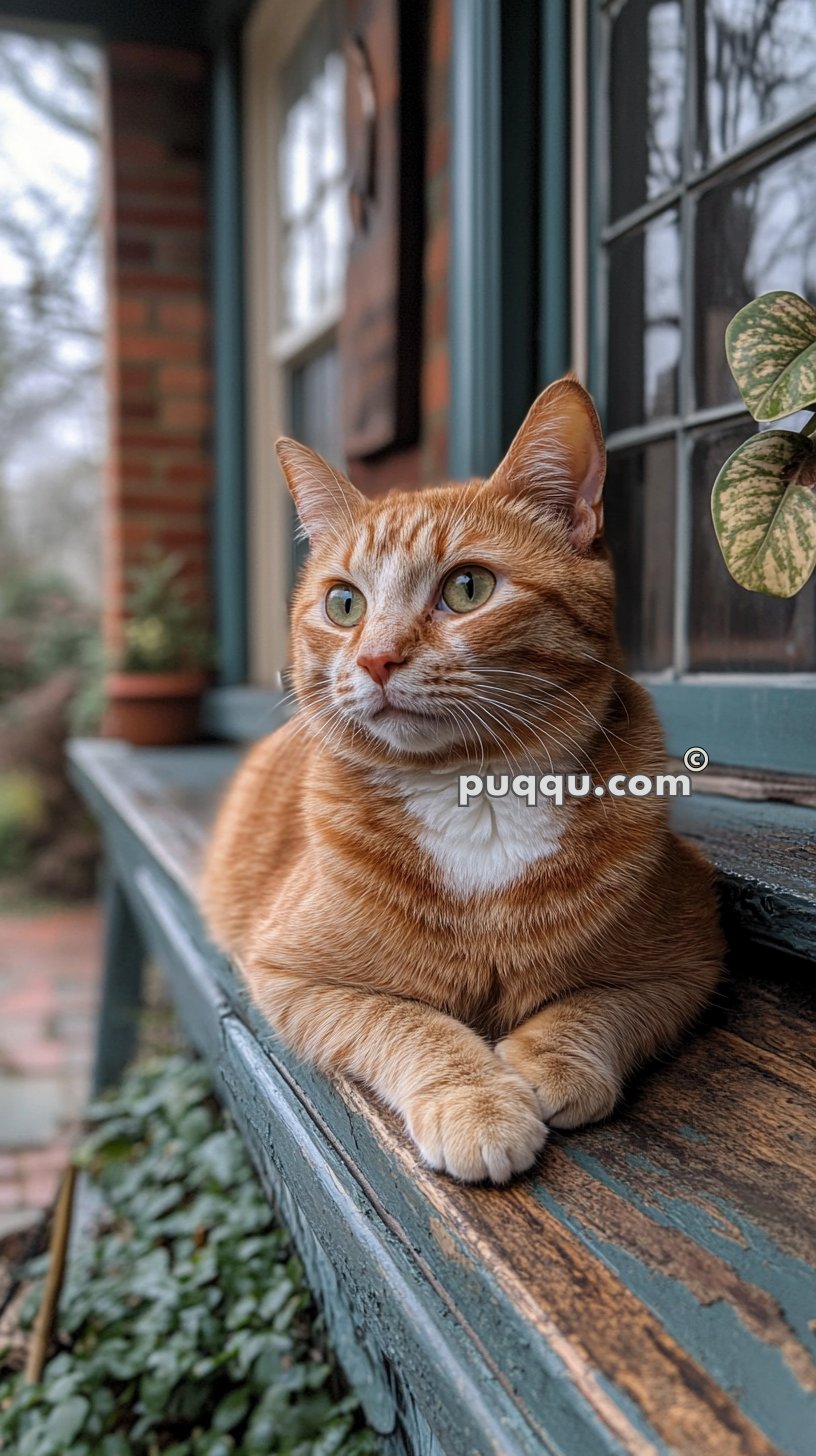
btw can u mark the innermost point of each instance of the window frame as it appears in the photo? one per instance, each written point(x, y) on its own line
point(270, 36)
point(750, 720)
point(758, 721)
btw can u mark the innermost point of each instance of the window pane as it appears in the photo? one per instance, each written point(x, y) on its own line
point(297, 167)
point(758, 63)
point(639, 517)
point(752, 236)
point(314, 214)
point(647, 101)
point(300, 276)
point(731, 627)
point(314, 412)
point(644, 323)
point(332, 89)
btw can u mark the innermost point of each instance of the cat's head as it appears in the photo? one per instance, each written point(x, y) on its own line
point(461, 620)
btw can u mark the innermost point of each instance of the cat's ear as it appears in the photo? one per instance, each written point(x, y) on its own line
point(324, 497)
point(557, 460)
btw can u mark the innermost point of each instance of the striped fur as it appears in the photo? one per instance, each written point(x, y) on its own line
point(486, 977)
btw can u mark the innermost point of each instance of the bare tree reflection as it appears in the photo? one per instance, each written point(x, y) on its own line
point(755, 65)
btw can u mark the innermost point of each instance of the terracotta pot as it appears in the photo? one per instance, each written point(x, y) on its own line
point(152, 708)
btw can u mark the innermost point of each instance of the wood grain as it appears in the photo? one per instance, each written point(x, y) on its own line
point(651, 1288)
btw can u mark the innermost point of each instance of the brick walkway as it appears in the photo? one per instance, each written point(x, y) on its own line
point(49, 968)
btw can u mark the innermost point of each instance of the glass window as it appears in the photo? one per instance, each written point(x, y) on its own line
point(644, 321)
point(314, 411)
point(753, 235)
point(640, 530)
point(647, 101)
point(311, 174)
point(757, 59)
point(694, 231)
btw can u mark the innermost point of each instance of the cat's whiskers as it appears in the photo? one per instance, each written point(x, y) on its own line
point(525, 723)
point(498, 745)
point(470, 727)
point(564, 692)
point(507, 729)
point(505, 691)
point(553, 738)
point(583, 756)
point(330, 729)
point(619, 671)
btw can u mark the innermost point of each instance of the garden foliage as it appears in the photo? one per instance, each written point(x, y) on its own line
point(185, 1324)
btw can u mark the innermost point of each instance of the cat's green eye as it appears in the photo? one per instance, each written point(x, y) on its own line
point(345, 605)
point(468, 587)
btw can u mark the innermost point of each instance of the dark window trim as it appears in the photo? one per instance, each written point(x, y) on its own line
point(229, 518)
point(760, 721)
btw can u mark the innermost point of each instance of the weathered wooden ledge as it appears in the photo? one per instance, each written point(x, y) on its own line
point(650, 1288)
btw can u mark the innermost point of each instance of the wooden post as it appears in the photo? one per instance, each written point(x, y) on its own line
point(44, 1323)
point(121, 989)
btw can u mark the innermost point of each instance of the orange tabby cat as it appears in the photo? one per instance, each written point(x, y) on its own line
point(487, 969)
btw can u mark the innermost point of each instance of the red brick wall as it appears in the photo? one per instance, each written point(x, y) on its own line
point(159, 475)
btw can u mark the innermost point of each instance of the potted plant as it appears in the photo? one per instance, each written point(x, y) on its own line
point(153, 695)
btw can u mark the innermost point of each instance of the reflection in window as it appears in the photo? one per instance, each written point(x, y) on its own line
point(311, 172)
point(314, 415)
point(644, 323)
point(759, 63)
point(647, 107)
point(752, 236)
point(639, 522)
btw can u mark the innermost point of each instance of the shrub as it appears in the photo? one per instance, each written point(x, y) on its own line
point(187, 1326)
point(166, 631)
point(22, 813)
point(43, 630)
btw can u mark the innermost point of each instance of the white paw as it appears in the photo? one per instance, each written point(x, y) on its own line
point(571, 1091)
point(488, 1131)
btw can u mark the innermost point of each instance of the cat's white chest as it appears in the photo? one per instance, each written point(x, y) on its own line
point(482, 845)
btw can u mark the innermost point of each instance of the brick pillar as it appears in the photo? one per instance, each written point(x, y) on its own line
point(159, 475)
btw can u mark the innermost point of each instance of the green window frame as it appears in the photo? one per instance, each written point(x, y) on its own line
point(229, 566)
point(764, 721)
point(756, 721)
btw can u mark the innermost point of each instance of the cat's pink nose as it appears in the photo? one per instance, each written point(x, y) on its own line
point(380, 665)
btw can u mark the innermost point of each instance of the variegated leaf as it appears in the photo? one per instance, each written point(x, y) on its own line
point(771, 348)
point(764, 510)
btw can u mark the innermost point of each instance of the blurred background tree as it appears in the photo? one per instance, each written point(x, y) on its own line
point(51, 394)
point(52, 438)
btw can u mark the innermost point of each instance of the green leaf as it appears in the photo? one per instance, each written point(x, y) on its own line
point(220, 1156)
point(771, 349)
point(66, 1421)
point(764, 510)
point(231, 1410)
point(114, 1445)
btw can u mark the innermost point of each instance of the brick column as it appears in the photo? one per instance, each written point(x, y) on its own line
point(159, 474)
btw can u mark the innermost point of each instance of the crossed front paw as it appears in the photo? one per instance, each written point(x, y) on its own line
point(486, 1131)
point(573, 1088)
